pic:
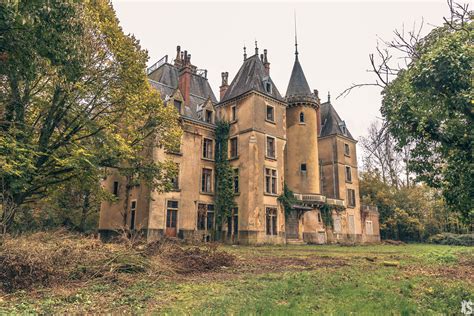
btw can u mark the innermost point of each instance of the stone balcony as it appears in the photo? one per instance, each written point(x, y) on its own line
point(369, 208)
point(310, 198)
point(336, 202)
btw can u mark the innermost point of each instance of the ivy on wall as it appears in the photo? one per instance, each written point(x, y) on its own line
point(224, 199)
point(326, 214)
point(287, 199)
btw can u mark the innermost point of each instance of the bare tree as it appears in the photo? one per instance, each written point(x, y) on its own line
point(381, 154)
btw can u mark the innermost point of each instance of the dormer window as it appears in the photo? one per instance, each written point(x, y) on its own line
point(268, 86)
point(342, 126)
point(208, 116)
point(177, 105)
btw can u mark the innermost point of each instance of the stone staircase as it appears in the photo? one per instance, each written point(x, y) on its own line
point(294, 241)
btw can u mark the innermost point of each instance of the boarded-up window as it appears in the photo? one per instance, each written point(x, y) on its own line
point(337, 225)
point(369, 228)
point(351, 224)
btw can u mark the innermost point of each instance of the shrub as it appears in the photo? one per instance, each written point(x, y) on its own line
point(453, 239)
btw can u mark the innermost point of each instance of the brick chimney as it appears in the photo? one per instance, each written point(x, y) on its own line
point(185, 72)
point(266, 63)
point(224, 85)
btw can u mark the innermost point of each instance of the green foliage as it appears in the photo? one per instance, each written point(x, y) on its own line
point(287, 199)
point(408, 213)
point(428, 107)
point(453, 239)
point(224, 198)
point(75, 99)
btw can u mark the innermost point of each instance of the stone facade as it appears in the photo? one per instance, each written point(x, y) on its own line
point(274, 140)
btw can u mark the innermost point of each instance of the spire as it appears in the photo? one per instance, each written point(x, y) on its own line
point(245, 53)
point(329, 97)
point(296, 39)
point(256, 48)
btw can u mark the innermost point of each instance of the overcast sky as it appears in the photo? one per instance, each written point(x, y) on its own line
point(334, 40)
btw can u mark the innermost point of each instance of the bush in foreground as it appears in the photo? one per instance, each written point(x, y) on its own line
point(47, 259)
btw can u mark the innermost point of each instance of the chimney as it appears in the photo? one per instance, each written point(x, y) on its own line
point(266, 63)
point(184, 81)
point(224, 85)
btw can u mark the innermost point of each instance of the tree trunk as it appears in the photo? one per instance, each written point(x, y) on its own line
point(85, 211)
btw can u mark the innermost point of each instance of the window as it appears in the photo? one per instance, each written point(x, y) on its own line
point(348, 174)
point(270, 113)
point(115, 189)
point(270, 181)
point(351, 202)
point(175, 180)
point(319, 218)
point(268, 87)
point(234, 113)
point(342, 126)
point(303, 167)
point(208, 117)
point(206, 181)
point(172, 214)
point(346, 149)
point(270, 147)
point(205, 216)
point(177, 105)
point(233, 223)
point(337, 224)
point(207, 148)
point(234, 147)
point(236, 180)
point(301, 117)
point(271, 220)
point(133, 210)
point(369, 228)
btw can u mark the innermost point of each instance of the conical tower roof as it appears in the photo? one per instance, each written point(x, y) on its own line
point(298, 84)
point(298, 92)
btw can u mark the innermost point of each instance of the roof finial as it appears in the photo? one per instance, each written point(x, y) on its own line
point(245, 53)
point(329, 97)
point(256, 48)
point(296, 38)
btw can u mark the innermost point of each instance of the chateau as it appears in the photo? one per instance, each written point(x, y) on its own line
point(275, 140)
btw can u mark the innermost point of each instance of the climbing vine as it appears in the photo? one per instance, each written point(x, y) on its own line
point(287, 199)
point(224, 199)
point(326, 214)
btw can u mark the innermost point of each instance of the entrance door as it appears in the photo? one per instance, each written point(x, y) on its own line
point(292, 225)
point(171, 219)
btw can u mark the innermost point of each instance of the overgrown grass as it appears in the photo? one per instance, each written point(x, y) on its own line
point(281, 280)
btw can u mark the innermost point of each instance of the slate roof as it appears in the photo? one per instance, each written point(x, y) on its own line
point(165, 80)
point(298, 84)
point(251, 76)
point(331, 122)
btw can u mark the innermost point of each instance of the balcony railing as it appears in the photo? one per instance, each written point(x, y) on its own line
point(369, 208)
point(310, 198)
point(336, 202)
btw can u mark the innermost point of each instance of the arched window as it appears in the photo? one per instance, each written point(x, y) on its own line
point(301, 117)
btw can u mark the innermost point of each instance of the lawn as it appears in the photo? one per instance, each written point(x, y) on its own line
point(297, 279)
